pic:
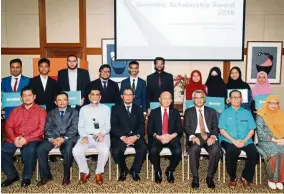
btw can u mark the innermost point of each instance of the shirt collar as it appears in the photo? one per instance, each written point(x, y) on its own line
point(43, 78)
point(73, 71)
point(103, 80)
point(163, 109)
point(19, 77)
point(202, 109)
point(128, 105)
point(64, 109)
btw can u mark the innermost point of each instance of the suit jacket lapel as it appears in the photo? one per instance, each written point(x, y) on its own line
point(10, 83)
point(67, 79)
point(206, 116)
point(138, 85)
point(161, 121)
point(47, 84)
point(78, 79)
point(194, 118)
point(40, 83)
point(66, 114)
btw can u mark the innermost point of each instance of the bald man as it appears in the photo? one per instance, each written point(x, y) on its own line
point(164, 130)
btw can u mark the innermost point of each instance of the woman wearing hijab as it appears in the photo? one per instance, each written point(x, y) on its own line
point(270, 132)
point(262, 86)
point(216, 86)
point(195, 83)
point(235, 82)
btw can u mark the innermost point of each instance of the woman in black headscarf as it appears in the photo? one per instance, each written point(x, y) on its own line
point(216, 86)
point(235, 82)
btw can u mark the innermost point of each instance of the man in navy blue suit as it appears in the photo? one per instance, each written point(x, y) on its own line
point(137, 84)
point(14, 83)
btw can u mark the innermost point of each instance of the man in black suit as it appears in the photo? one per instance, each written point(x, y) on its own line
point(61, 130)
point(159, 82)
point(44, 86)
point(201, 129)
point(164, 130)
point(127, 129)
point(73, 78)
point(108, 88)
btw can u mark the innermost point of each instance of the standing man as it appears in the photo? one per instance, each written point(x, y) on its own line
point(14, 83)
point(159, 82)
point(61, 130)
point(127, 129)
point(94, 128)
point(164, 130)
point(137, 85)
point(201, 129)
point(44, 86)
point(237, 127)
point(24, 131)
point(73, 78)
point(109, 89)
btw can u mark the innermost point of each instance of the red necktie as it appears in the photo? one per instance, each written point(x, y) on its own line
point(165, 129)
point(15, 85)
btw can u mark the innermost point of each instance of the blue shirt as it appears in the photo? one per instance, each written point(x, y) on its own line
point(237, 123)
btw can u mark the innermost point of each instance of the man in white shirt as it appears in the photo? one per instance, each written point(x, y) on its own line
point(201, 129)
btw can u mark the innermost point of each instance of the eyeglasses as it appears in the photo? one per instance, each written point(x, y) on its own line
point(236, 97)
point(273, 103)
point(200, 98)
point(72, 61)
point(29, 95)
point(128, 94)
point(105, 71)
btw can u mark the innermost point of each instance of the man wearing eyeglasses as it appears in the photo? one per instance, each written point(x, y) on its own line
point(201, 129)
point(237, 127)
point(127, 129)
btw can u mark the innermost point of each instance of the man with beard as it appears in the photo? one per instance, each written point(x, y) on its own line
point(73, 78)
point(93, 128)
point(159, 82)
point(108, 88)
point(44, 86)
point(14, 83)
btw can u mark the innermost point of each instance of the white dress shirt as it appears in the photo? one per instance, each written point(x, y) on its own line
point(102, 81)
point(130, 108)
point(72, 75)
point(13, 81)
point(131, 81)
point(163, 110)
point(43, 81)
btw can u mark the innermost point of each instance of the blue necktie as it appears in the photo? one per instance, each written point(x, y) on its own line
point(61, 114)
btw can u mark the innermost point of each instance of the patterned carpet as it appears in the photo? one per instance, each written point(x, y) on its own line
point(129, 186)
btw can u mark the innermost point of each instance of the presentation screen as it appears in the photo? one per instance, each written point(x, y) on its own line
point(179, 29)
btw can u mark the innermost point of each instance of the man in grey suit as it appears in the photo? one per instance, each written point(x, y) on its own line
point(61, 130)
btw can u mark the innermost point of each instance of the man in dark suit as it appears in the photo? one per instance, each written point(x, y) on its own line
point(44, 86)
point(108, 88)
point(73, 78)
point(159, 82)
point(127, 129)
point(164, 130)
point(14, 83)
point(137, 84)
point(61, 130)
point(201, 129)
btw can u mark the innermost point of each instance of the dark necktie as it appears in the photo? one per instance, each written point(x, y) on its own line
point(202, 126)
point(61, 115)
point(159, 80)
point(15, 85)
point(105, 85)
point(133, 85)
point(165, 129)
point(128, 110)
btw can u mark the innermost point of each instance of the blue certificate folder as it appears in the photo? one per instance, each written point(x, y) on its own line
point(212, 102)
point(11, 99)
point(154, 105)
point(259, 100)
point(74, 97)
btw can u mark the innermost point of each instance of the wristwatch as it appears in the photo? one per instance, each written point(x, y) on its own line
point(138, 136)
point(155, 134)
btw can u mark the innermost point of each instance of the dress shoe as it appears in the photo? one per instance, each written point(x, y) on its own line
point(84, 178)
point(210, 183)
point(272, 185)
point(232, 183)
point(279, 186)
point(25, 183)
point(8, 182)
point(66, 181)
point(170, 177)
point(195, 183)
point(135, 176)
point(246, 184)
point(158, 177)
point(99, 179)
point(43, 182)
point(123, 175)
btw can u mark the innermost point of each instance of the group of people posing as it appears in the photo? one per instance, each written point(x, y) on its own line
point(93, 124)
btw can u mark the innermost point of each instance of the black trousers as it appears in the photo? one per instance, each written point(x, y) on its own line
point(118, 149)
point(28, 155)
point(232, 154)
point(156, 147)
point(194, 156)
point(42, 155)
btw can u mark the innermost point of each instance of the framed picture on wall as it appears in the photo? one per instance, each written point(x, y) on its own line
point(264, 56)
point(119, 69)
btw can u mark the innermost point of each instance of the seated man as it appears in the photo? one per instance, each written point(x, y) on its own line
point(93, 127)
point(127, 129)
point(24, 130)
point(237, 126)
point(61, 130)
point(164, 130)
point(201, 129)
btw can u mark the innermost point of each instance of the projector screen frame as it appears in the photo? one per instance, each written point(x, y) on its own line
point(243, 42)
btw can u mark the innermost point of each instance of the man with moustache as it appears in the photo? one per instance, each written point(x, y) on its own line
point(73, 78)
point(159, 82)
point(94, 128)
point(44, 86)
